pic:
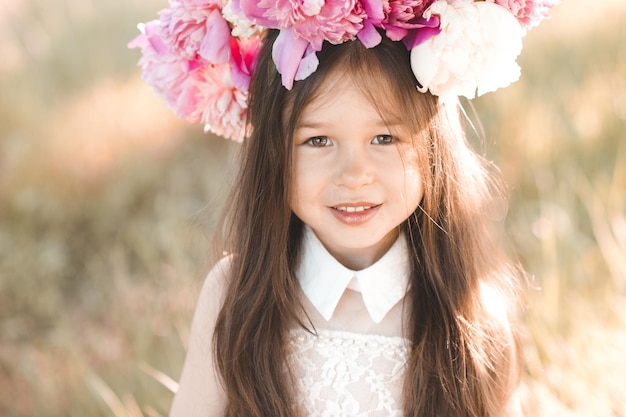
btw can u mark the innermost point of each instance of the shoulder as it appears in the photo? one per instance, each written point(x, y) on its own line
point(200, 392)
point(212, 292)
point(210, 302)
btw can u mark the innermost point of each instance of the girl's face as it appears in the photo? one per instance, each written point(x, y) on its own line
point(355, 177)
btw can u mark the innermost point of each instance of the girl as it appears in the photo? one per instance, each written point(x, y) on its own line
point(364, 277)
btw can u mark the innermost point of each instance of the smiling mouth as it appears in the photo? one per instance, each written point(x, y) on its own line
point(353, 209)
point(354, 214)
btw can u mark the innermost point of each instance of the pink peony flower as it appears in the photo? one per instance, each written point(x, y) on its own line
point(402, 20)
point(244, 54)
point(162, 69)
point(217, 95)
point(194, 64)
point(404, 15)
point(315, 21)
point(196, 28)
point(304, 25)
point(528, 12)
point(210, 97)
point(475, 52)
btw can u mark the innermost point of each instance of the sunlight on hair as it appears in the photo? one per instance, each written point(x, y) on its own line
point(494, 303)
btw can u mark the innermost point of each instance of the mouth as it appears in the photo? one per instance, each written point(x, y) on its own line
point(354, 214)
point(354, 209)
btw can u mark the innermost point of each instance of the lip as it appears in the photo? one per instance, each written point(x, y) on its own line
point(354, 214)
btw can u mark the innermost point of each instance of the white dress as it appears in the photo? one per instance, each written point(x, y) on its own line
point(338, 371)
point(341, 374)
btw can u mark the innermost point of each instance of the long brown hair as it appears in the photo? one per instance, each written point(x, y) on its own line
point(463, 360)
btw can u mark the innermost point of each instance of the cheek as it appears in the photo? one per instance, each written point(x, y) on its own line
point(301, 185)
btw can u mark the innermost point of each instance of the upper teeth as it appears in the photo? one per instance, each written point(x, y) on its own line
point(354, 209)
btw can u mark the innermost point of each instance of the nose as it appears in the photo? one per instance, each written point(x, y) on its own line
point(354, 168)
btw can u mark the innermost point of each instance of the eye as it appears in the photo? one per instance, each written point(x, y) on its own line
point(383, 140)
point(319, 141)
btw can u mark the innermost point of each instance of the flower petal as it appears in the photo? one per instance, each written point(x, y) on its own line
point(250, 11)
point(369, 36)
point(215, 46)
point(308, 64)
point(287, 53)
point(374, 9)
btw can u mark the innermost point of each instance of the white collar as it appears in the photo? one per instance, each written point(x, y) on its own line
point(324, 280)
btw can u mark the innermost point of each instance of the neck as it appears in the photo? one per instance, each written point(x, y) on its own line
point(357, 259)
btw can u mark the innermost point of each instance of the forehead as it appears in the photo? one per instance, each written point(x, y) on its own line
point(345, 87)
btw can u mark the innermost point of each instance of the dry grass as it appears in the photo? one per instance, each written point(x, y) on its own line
point(107, 202)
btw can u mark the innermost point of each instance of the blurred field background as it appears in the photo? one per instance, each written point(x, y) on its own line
point(107, 204)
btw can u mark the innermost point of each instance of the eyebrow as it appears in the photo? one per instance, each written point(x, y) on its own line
point(316, 125)
point(308, 125)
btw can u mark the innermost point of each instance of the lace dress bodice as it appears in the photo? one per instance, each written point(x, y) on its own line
point(348, 374)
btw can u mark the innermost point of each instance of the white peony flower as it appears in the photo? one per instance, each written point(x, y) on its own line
point(474, 54)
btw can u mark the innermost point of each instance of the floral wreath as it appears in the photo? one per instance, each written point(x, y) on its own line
point(200, 55)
